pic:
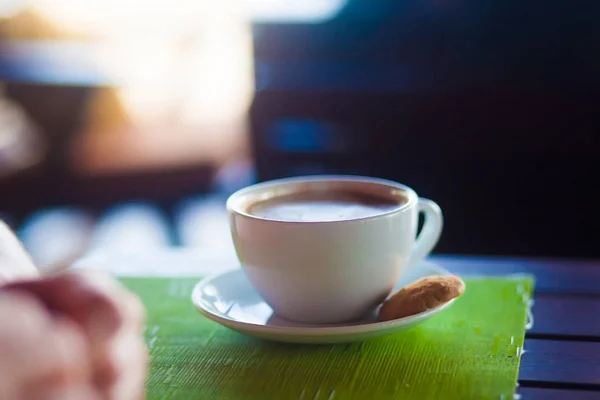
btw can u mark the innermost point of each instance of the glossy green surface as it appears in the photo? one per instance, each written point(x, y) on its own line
point(470, 351)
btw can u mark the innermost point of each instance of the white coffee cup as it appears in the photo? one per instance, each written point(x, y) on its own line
point(330, 271)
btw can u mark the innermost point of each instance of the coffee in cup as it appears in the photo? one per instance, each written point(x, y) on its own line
point(329, 249)
point(324, 205)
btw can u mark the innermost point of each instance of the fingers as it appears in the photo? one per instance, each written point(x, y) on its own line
point(121, 366)
point(96, 313)
point(111, 319)
point(66, 393)
point(122, 373)
point(73, 379)
point(41, 356)
point(94, 300)
point(132, 313)
point(71, 351)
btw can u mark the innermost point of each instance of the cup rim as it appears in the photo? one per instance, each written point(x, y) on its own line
point(234, 206)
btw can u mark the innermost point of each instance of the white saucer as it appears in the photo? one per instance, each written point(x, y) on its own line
point(230, 300)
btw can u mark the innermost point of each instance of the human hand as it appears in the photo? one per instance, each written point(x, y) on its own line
point(108, 317)
point(42, 357)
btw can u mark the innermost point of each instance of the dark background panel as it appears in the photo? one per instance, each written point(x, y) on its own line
point(488, 108)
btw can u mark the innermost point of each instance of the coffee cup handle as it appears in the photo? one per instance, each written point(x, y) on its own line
point(430, 233)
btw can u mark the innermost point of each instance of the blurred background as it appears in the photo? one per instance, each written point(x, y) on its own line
point(125, 124)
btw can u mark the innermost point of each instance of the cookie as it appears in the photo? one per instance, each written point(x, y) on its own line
point(422, 295)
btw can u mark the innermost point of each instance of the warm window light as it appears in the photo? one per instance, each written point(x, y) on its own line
point(10, 8)
point(183, 73)
point(208, 77)
point(88, 11)
point(187, 61)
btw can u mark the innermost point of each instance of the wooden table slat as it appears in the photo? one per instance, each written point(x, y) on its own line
point(552, 276)
point(560, 364)
point(556, 394)
point(566, 317)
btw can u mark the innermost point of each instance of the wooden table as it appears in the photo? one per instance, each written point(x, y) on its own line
point(562, 349)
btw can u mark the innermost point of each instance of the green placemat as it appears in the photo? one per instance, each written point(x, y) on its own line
point(470, 351)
